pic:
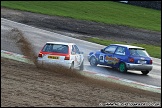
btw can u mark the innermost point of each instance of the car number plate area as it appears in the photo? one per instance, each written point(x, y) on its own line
point(53, 57)
point(142, 61)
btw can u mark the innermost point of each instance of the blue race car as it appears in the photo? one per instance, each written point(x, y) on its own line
point(122, 57)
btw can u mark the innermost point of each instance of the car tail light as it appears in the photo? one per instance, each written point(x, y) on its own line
point(131, 59)
point(40, 55)
point(67, 57)
point(150, 61)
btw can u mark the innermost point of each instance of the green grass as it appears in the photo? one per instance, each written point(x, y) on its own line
point(154, 51)
point(98, 11)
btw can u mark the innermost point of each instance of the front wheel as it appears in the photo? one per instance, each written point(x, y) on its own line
point(145, 72)
point(122, 67)
point(93, 61)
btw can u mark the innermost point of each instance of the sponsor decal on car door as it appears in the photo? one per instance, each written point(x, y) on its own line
point(109, 58)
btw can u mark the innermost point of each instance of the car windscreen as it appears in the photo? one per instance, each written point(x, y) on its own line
point(57, 48)
point(138, 52)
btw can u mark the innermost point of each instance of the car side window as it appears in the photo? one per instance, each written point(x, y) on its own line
point(120, 51)
point(73, 49)
point(76, 49)
point(110, 49)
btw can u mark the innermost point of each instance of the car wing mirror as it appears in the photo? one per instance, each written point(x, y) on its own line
point(102, 50)
point(73, 53)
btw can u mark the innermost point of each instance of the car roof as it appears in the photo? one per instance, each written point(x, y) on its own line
point(64, 43)
point(128, 46)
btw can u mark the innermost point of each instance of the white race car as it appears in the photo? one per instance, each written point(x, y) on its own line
point(66, 54)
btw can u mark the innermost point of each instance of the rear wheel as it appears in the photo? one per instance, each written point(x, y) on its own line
point(93, 61)
point(122, 67)
point(145, 72)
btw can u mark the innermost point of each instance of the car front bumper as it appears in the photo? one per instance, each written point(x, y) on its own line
point(141, 67)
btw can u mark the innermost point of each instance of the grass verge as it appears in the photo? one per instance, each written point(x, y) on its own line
point(99, 11)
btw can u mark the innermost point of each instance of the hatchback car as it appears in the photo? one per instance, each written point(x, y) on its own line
point(122, 57)
point(66, 54)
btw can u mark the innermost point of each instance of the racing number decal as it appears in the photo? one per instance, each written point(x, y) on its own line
point(111, 60)
point(101, 58)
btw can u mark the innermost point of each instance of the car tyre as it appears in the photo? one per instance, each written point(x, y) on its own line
point(145, 72)
point(122, 67)
point(93, 61)
point(81, 67)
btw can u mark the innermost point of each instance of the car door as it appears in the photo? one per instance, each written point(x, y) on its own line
point(120, 55)
point(109, 55)
point(77, 57)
